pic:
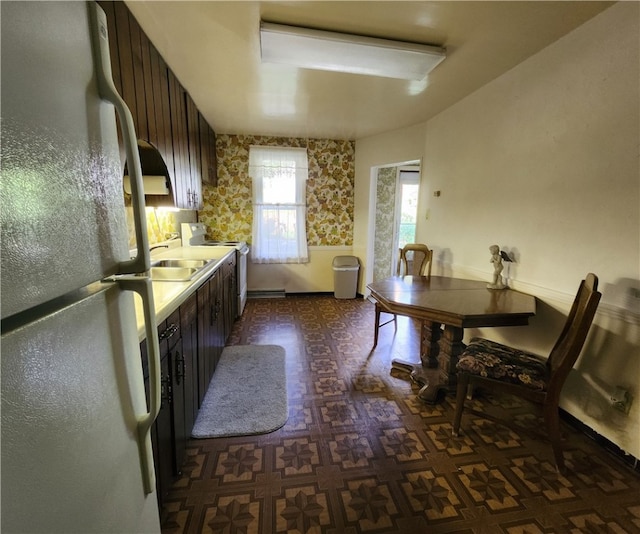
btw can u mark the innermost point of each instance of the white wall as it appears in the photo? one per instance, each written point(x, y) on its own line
point(395, 147)
point(313, 277)
point(543, 161)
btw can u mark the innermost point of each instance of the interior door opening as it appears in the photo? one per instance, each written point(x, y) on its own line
point(395, 197)
point(406, 209)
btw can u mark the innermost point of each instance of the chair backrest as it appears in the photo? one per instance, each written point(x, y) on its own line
point(415, 259)
point(572, 338)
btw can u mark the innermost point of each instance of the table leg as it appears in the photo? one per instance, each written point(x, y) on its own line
point(451, 346)
point(429, 343)
point(429, 349)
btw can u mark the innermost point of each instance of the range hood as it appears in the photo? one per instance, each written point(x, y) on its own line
point(158, 191)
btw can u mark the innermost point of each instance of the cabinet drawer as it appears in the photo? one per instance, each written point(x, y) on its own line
point(169, 332)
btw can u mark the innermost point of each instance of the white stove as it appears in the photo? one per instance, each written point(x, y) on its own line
point(194, 235)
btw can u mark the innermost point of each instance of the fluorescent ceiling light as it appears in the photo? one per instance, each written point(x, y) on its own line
point(341, 52)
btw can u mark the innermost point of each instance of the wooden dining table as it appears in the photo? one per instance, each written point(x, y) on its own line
point(446, 306)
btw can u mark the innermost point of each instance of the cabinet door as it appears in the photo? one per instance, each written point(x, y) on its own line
point(172, 337)
point(195, 152)
point(163, 455)
point(161, 433)
point(209, 158)
point(156, 96)
point(121, 68)
point(217, 323)
point(189, 332)
point(205, 347)
point(177, 369)
point(161, 429)
point(180, 142)
point(140, 104)
point(124, 60)
point(109, 9)
point(154, 431)
point(171, 430)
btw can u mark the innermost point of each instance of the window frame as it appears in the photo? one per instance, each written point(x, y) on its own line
point(279, 228)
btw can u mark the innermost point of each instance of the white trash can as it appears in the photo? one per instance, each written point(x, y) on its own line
point(345, 276)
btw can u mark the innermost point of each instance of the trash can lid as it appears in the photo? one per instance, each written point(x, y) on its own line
point(346, 261)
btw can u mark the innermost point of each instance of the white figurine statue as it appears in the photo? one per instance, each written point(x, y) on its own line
point(496, 259)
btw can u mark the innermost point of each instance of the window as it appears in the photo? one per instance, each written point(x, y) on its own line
point(409, 186)
point(279, 178)
point(406, 214)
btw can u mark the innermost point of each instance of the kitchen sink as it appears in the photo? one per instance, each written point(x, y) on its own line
point(180, 263)
point(172, 274)
point(176, 270)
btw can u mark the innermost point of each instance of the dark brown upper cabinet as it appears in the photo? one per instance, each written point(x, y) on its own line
point(163, 113)
point(209, 159)
point(195, 152)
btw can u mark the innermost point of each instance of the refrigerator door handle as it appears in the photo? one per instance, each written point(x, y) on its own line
point(100, 38)
point(142, 286)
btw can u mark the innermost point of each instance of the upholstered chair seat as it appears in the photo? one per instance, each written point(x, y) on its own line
point(493, 360)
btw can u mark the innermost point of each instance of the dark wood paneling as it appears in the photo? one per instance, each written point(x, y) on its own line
point(163, 113)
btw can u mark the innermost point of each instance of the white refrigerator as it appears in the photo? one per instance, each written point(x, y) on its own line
point(75, 451)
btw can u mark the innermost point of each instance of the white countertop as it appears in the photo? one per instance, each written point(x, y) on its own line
point(167, 296)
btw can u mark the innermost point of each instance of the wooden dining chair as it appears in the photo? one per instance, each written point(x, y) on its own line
point(413, 259)
point(502, 368)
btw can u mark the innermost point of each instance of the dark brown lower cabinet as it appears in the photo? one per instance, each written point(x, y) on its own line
point(218, 334)
point(191, 341)
point(211, 336)
point(205, 347)
point(176, 374)
point(189, 332)
point(168, 432)
point(163, 431)
point(162, 439)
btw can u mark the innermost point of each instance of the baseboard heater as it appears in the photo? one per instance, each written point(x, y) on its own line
point(266, 294)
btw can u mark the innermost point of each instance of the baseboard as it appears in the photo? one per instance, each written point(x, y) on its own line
point(627, 459)
point(266, 294)
point(319, 294)
point(309, 293)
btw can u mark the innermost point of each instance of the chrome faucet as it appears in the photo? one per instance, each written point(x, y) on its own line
point(158, 246)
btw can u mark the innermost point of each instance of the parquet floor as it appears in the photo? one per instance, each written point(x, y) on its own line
point(360, 454)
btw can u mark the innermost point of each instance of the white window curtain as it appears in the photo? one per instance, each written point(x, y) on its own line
point(279, 177)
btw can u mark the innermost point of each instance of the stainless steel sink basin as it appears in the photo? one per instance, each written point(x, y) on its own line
point(195, 264)
point(173, 274)
point(176, 269)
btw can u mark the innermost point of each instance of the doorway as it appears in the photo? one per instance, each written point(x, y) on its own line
point(406, 210)
point(396, 203)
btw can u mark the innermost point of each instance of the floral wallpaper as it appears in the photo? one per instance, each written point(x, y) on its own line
point(385, 209)
point(161, 224)
point(227, 208)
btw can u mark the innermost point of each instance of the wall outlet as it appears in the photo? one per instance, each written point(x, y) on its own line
point(621, 399)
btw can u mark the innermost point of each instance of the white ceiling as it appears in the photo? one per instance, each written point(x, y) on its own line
point(213, 47)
